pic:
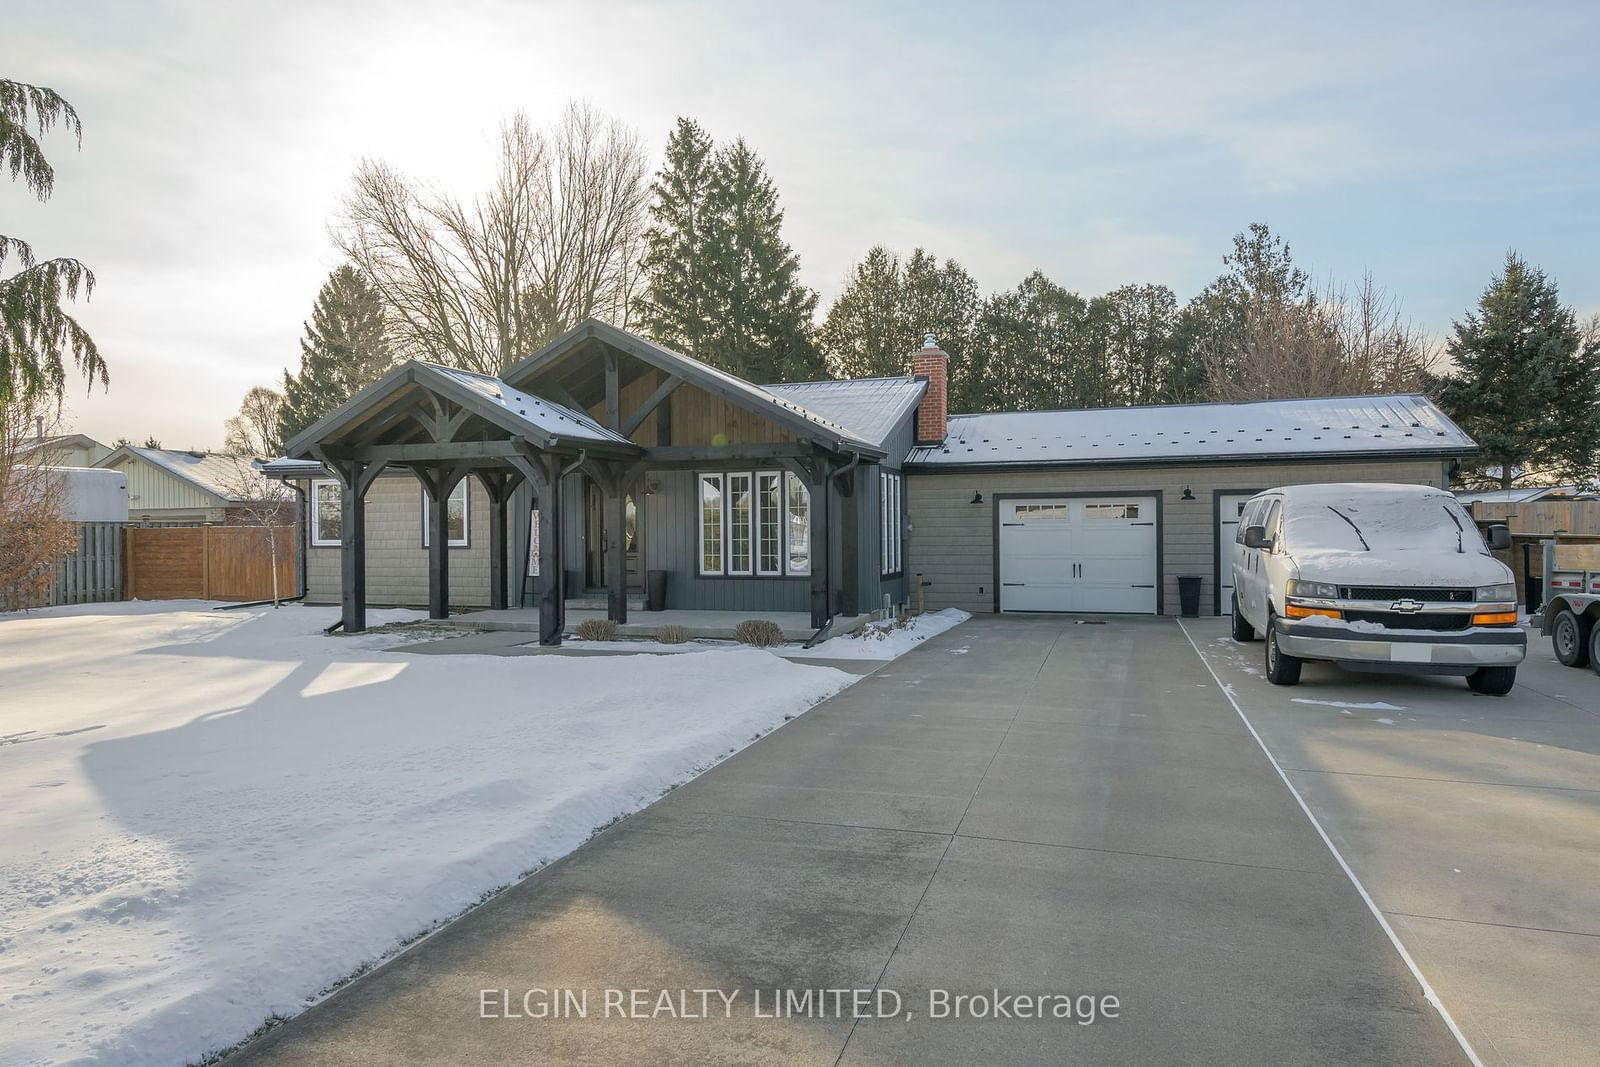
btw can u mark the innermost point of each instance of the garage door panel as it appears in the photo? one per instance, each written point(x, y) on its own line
point(1071, 554)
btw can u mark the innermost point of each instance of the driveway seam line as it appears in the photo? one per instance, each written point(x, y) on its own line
point(1428, 991)
point(1503, 926)
point(950, 841)
point(1446, 781)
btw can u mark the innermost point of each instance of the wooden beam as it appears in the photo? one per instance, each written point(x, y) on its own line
point(561, 395)
point(613, 393)
point(616, 520)
point(653, 401)
point(499, 497)
point(821, 549)
point(438, 542)
point(850, 544)
point(428, 451)
point(353, 549)
point(660, 457)
point(552, 577)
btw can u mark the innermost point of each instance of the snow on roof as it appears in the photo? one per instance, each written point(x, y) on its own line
point(869, 408)
point(555, 419)
point(229, 477)
point(1362, 425)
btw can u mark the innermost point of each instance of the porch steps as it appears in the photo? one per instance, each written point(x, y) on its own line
point(598, 603)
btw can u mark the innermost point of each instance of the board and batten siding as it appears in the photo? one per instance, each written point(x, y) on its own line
point(162, 496)
point(951, 543)
point(397, 564)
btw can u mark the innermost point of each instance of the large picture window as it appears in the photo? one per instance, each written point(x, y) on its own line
point(711, 525)
point(456, 516)
point(889, 505)
point(754, 523)
point(327, 515)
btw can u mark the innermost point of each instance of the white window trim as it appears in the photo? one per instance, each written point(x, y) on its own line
point(889, 508)
point(700, 527)
point(316, 525)
point(789, 478)
point(755, 523)
point(465, 540)
point(728, 521)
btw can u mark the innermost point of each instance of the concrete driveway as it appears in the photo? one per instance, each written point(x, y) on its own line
point(1473, 821)
point(1036, 806)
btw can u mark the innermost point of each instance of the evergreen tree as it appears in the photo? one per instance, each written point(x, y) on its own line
point(676, 308)
point(1526, 383)
point(760, 321)
point(345, 347)
point(1143, 355)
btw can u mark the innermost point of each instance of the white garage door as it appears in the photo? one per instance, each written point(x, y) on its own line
point(1078, 554)
point(1229, 505)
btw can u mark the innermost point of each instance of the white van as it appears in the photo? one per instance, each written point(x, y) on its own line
point(1375, 578)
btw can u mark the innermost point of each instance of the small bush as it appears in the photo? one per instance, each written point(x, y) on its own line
point(762, 633)
point(672, 634)
point(596, 630)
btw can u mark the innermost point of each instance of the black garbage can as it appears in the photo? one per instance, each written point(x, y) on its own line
point(1189, 595)
point(655, 590)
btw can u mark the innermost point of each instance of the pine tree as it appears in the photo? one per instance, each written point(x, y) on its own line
point(345, 347)
point(675, 310)
point(868, 330)
point(1526, 383)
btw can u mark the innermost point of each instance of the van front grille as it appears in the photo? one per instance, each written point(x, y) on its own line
point(1391, 592)
point(1427, 620)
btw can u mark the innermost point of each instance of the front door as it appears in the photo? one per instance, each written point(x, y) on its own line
point(596, 538)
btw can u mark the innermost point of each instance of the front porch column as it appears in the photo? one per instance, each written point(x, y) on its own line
point(353, 550)
point(616, 550)
point(499, 486)
point(850, 543)
point(439, 483)
point(552, 594)
point(821, 544)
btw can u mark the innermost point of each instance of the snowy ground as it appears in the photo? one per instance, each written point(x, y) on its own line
point(880, 640)
point(207, 817)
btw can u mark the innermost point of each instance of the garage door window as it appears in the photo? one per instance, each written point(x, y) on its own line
point(1041, 511)
point(1111, 511)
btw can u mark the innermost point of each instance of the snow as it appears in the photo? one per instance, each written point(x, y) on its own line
point(1390, 519)
point(1376, 705)
point(212, 816)
point(882, 640)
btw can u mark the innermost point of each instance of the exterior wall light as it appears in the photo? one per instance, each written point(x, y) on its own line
point(977, 498)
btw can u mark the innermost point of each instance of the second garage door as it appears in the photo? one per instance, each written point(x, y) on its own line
point(1078, 554)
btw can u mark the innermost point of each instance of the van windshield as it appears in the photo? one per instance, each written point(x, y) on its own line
point(1380, 522)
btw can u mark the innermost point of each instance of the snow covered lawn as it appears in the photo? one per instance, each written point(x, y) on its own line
point(208, 817)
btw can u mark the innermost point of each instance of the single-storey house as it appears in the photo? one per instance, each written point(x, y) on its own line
point(63, 450)
point(170, 486)
point(604, 457)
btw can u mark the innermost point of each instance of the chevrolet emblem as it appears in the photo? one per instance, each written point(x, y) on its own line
point(1407, 605)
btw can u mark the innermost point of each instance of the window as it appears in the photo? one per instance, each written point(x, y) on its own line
point(798, 532)
point(1111, 511)
point(889, 512)
point(1042, 511)
point(327, 503)
point(456, 516)
point(711, 524)
point(741, 503)
point(754, 523)
point(769, 523)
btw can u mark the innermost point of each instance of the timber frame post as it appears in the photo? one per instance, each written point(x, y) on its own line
point(355, 477)
point(439, 483)
point(499, 485)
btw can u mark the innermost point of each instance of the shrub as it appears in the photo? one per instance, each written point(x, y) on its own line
point(596, 630)
point(672, 634)
point(762, 633)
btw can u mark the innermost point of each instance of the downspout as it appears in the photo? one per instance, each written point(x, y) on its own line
point(827, 560)
point(304, 514)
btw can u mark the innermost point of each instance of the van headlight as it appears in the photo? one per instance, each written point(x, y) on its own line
point(1506, 592)
point(1319, 590)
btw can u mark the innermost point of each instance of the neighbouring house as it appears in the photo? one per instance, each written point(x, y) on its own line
point(604, 457)
point(167, 485)
point(63, 450)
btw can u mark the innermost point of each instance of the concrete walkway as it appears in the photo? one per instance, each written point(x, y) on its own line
point(1029, 804)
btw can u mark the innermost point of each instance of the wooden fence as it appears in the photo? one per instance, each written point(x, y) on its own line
point(208, 562)
point(93, 572)
point(1544, 517)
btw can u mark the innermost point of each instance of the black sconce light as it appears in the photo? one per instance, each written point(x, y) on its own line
point(1188, 494)
point(977, 498)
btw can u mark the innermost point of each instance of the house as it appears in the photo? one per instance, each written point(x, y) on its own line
point(63, 450)
point(604, 457)
point(171, 486)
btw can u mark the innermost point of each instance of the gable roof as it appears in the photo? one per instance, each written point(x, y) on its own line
point(230, 479)
point(871, 408)
point(797, 417)
point(60, 441)
point(1371, 426)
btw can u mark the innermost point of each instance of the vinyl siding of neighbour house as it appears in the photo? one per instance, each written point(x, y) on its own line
point(397, 564)
point(952, 541)
point(158, 496)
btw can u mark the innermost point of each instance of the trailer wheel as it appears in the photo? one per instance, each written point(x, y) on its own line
point(1594, 648)
point(1569, 637)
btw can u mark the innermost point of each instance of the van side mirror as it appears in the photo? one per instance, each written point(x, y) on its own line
point(1256, 537)
point(1499, 537)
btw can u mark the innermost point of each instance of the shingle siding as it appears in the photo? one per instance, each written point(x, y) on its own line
point(397, 564)
point(952, 540)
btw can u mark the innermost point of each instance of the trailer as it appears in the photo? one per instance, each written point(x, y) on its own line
point(1572, 603)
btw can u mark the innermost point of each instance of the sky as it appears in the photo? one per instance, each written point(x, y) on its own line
point(1103, 144)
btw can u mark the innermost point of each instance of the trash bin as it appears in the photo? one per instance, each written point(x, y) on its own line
point(655, 591)
point(1189, 595)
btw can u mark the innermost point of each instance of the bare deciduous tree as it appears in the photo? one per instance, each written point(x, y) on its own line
point(263, 505)
point(1337, 342)
point(34, 535)
point(556, 239)
point(254, 431)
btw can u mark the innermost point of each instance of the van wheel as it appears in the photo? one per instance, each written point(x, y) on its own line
point(1492, 681)
point(1570, 638)
point(1282, 668)
point(1242, 630)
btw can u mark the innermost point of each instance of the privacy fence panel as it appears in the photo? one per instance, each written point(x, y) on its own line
point(93, 572)
point(209, 562)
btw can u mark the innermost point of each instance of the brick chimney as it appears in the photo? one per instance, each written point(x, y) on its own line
point(933, 363)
